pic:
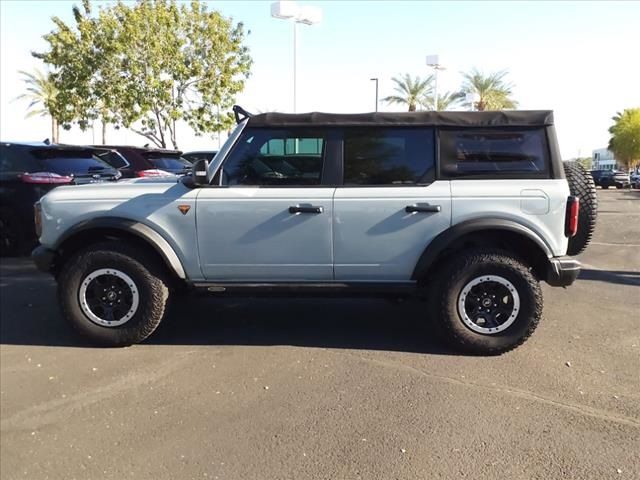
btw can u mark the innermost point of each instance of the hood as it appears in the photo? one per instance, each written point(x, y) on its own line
point(121, 190)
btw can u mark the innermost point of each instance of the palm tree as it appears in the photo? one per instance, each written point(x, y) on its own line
point(491, 91)
point(411, 91)
point(445, 101)
point(41, 93)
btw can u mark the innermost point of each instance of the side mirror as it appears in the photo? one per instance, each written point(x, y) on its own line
point(199, 172)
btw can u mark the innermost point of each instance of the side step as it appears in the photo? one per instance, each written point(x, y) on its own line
point(310, 289)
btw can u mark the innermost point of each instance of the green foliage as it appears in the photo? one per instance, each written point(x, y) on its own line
point(411, 91)
point(586, 162)
point(625, 137)
point(445, 101)
point(147, 66)
point(42, 95)
point(492, 91)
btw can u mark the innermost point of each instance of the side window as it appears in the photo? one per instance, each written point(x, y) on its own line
point(494, 153)
point(276, 158)
point(388, 156)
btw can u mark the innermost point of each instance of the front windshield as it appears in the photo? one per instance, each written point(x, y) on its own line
point(217, 160)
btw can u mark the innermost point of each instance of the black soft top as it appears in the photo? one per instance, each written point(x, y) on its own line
point(516, 118)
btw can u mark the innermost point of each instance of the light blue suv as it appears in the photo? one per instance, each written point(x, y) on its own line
point(467, 209)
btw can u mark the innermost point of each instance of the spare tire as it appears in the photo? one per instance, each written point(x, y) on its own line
point(581, 185)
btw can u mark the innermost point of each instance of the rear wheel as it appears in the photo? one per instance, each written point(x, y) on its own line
point(487, 302)
point(582, 186)
point(113, 294)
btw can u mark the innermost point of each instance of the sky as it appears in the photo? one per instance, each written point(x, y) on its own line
point(579, 59)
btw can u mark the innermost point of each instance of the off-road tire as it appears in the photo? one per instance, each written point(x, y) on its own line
point(464, 268)
point(582, 186)
point(148, 275)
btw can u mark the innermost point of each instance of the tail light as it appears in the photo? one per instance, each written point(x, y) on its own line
point(154, 172)
point(37, 218)
point(571, 225)
point(45, 177)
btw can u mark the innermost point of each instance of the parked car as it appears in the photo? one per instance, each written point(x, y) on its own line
point(143, 162)
point(469, 210)
point(610, 178)
point(28, 171)
point(635, 180)
point(194, 156)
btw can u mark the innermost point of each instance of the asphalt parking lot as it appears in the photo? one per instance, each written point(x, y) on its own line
point(331, 389)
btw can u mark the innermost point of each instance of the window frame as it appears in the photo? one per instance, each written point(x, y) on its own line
point(432, 129)
point(549, 168)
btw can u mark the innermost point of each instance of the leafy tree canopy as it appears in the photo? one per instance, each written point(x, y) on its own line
point(625, 137)
point(491, 91)
point(147, 66)
point(411, 91)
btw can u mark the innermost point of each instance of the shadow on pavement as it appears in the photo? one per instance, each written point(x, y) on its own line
point(611, 276)
point(29, 315)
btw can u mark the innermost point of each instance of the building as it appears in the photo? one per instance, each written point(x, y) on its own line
point(603, 159)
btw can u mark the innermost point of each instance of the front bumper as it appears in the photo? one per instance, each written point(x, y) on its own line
point(43, 258)
point(562, 271)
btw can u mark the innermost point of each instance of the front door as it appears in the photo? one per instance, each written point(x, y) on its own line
point(390, 207)
point(270, 219)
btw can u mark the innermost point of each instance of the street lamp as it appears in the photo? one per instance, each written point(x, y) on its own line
point(290, 10)
point(433, 61)
point(376, 80)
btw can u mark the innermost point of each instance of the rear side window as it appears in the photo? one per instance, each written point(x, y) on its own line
point(276, 158)
point(388, 156)
point(492, 153)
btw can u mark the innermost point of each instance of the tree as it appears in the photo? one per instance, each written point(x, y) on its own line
point(625, 137)
point(148, 66)
point(491, 91)
point(42, 95)
point(445, 101)
point(411, 91)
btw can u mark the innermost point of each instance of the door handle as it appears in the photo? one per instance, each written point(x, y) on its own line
point(422, 208)
point(305, 209)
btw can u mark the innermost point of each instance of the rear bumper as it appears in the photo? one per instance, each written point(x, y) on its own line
point(43, 258)
point(562, 271)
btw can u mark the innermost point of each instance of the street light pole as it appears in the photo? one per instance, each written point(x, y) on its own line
point(433, 61)
point(289, 10)
point(376, 80)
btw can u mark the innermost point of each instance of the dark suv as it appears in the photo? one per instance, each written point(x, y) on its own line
point(610, 178)
point(27, 172)
point(143, 162)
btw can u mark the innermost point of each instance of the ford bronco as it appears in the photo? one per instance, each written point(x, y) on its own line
point(468, 210)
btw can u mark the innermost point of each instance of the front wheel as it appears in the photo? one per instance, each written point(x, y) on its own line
point(113, 294)
point(487, 302)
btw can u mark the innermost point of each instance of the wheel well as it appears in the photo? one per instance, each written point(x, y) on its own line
point(86, 238)
point(518, 244)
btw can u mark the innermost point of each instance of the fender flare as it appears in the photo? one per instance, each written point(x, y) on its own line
point(446, 238)
point(140, 230)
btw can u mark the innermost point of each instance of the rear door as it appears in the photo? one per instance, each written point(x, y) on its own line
point(390, 205)
point(270, 219)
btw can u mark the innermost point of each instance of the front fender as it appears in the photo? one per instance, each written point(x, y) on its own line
point(141, 230)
